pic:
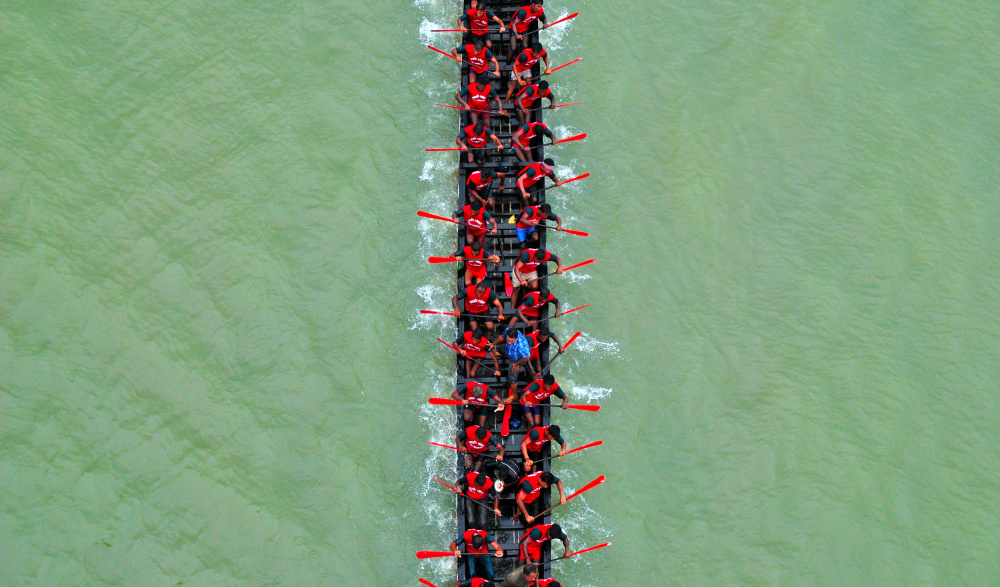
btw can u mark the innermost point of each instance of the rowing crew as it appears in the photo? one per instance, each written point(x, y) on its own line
point(479, 94)
point(474, 139)
point(476, 396)
point(478, 556)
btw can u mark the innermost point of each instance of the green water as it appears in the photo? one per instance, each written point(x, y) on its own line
point(212, 369)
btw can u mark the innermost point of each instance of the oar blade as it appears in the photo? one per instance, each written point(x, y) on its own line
point(448, 486)
point(442, 445)
point(579, 177)
point(566, 64)
point(434, 553)
point(444, 401)
point(426, 582)
point(441, 259)
point(423, 214)
point(449, 346)
point(445, 53)
point(578, 137)
point(505, 427)
point(588, 486)
point(584, 407)
point(508, 287)
point(588, 549)
point(576, 232)
point(438, 150)
point(591, 445)
point(571, 340)
point(564, 19)
point(559, 105)
point(587, 262)
point(575, 309)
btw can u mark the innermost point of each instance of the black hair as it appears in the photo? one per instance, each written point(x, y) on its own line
point(549, 379)
point(549, 162)
point(543, 330)
point(482, 432)
point(544, 292)
point(483, 78)
point(482, 479)
point(543, 85)
point(546, 478)
point(478, 332)
point(475, 204)
point(510, 333)
point(482, 284)
point(480, 125)
point(538, 2)
point(479, 43)
point(531, 569)
point(554, 430)
point(555, 531)
point(536, 47)
point(554, 584)
point(477, 541)
point(487, 173)
point(545, 209)
point(476, 246)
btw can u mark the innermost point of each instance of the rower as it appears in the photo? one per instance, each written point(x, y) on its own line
point(533, 539)
point(530, 490)
point(477, 543)
point(473, 138)
point(526, 98)
point(477, 487)
point(477, 96)
point(477, 301)
point(474, 441)
point(479, 185)
point(536, 439)
point(476, 219)
point(476, 21)
point(476, 399)
point(531, 306)
point(534, 173)
point(520, 69)
point(520, 142)
point(535, 339)
point(523, 576)
point(525, 271)
point(520, 25)
point(479, 58)
point(473, 345)
point(518, 352)
point(529, 219)
point(535, 393)
point(475, 258)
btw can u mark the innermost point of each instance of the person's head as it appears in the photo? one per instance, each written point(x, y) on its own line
point(554, 584)
point(536, 47)
point(477, 541)
point(543, 292)
point(531, 571)
point(543, 333)
point(479, 44)
point(481, 433)
point(481, 9)
point(479, 389)
point(545, 209)
point(476, 246)
point(549, 380)
point(480, 126)
point(539, 252)
point(546, 478)
point(536, 3)
point(481, 287)
point(487, 174)
point(553, 431)
point(510, 334)
point(543, 85)
point(549, 163)
point(482, 79)
point(555, 531)
point(476, 205)
point(482, 479)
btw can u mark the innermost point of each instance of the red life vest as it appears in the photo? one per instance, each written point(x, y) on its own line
point(477, 582)
point(478, 304)
point(533, 303)
point(536, 95)
point(470, 394)
point(472, 263)
point(535, 218)
point(467, 537)
point(522, 25)
point(545, 536)
point(537, 397)
point(533, 341)
point(475, 141)
point(479, 99)
point(545, 582)
point(533, 263)
point(535, 480)
point(477, 61)
point(537, 177)
point(474, 223)
point(525, 139)
point(473, 444)
point(537, 445)
point(476, 491)
point(476, 181)
point(532, 60)
point(478, 26)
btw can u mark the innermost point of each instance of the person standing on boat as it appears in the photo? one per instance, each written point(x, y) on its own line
point(477, 300)
point(536, 439)
point(476, 22)
point(529, 493)
point(479, 185)
point(529, 219)
point(531, 306)
point(477, 487)
point(520, 26)
point(531, 543)
point(476, 399)
point(523, 576)
point(479, 58)
point(526, 98)
point(535, 393)
point(507, 473)
point(520, 141)
point(536, 338)
point(525, 271)
point(474, 256)
point(534, 173)
point(474, 441)
point(518, 352)
point(520, 69)
point(476, 219)
point(477, 552)
point(473, 141)
point(477, 97)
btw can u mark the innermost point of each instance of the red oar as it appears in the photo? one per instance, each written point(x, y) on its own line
point(583, 407)
point(434, 553)
point(441, 259)
point(586, 487)
point(587, 262)
point(437, 312)
point(448, 149)
point(578, 137)
point(565, 65)
point(565, 346)
point(423, 214)
point(563, 19)
point(446, 446)
point(483, 505)
point(508, 287)
point(578, 552)
point(569, 452)
point(564, 313)
point(426, 582)
point(444, 401)
point(505, 426)
point(576, 232)
point(497, 112)
point(459, 351)
point(443, 52)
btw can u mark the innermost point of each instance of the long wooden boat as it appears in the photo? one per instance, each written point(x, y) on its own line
point(507, 204)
